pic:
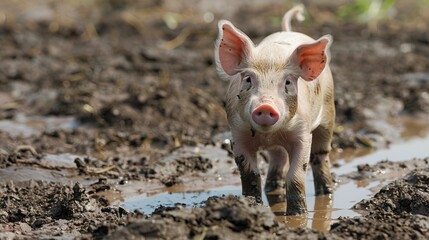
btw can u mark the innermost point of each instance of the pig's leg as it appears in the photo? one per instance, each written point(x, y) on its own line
point(319, 160)
point(277, 169)
point(245, 157)
point(299, 153)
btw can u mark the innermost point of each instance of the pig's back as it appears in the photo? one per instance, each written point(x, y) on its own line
point(288, 40)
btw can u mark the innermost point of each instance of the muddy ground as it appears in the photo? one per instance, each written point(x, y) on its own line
point(125, 84)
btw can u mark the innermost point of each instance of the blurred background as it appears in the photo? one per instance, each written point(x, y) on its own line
point(147, 66)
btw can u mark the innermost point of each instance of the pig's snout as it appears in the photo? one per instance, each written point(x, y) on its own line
point(265, 115)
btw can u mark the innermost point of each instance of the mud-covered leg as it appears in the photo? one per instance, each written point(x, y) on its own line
point(245, 158)
point(295, 178)
point(319, 160)
point(277, 170)
point(275, 182)
point(250, 178)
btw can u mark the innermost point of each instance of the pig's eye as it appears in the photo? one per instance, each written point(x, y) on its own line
point(247, 79)
point(288, 87)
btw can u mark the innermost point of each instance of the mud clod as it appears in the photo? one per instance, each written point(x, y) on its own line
point(399, 210)
point(219, 218)
point(408, 195)
point(42, 206)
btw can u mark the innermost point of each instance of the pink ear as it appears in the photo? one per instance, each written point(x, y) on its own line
point(311, 58)
point(232, 47)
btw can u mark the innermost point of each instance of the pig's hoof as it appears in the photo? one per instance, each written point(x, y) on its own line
point(296, 206)
point(296, 211)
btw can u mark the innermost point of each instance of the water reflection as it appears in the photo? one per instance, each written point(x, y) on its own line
point(322, 213)
point(320, 216)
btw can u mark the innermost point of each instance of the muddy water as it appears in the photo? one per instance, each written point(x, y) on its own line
point(223, 179)
point(323, 210)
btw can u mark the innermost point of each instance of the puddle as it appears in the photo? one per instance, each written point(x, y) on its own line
point(222, 179)
point(30, 126)
point(217, 181)
point(414, 148)
point(323, 210)
point(147, 203)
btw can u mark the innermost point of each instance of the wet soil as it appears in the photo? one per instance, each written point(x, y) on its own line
point(399, 211)
point(126, 88)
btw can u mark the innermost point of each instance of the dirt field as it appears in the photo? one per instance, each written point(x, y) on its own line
point(96, 94)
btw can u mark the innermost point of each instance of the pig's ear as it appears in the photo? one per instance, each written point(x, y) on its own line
point(232, 48)
point(311, 59)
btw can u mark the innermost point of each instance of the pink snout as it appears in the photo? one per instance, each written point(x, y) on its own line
point(265, 115)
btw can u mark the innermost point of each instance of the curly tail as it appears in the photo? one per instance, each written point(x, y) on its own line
point(298, 12)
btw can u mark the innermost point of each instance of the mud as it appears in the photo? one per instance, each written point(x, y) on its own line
point(51, 210)
point(399, 210)
point(227, 217)
point(97, 96)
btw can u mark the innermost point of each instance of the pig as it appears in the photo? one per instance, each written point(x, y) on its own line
point(280, 100)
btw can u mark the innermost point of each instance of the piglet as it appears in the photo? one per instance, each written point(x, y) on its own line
point(281, 100)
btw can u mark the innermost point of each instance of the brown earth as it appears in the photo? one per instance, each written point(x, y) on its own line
point(139, 80)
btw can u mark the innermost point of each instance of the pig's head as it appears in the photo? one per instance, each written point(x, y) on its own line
point(265, 78)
